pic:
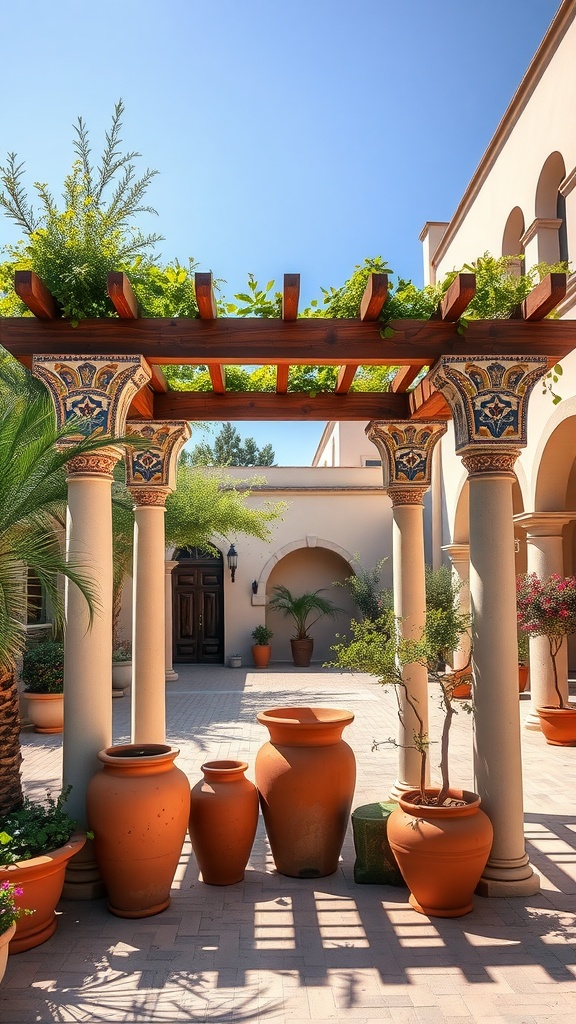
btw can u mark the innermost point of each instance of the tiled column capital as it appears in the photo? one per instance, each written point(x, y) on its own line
point(149, 496)
point(94, 391)
point(406, 451)
point(154, 466)
point(489, 403)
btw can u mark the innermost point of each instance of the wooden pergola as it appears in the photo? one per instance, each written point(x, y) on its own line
point(345, 343)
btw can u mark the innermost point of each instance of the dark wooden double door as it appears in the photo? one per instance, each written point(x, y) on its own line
point(198, 610)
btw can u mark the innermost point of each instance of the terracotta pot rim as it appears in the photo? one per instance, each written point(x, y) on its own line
point(42, 696)
point(554, 709)
point(305, 716)
point(138, 753)
point(225, 766)
point(406, 802)
point(64, 852)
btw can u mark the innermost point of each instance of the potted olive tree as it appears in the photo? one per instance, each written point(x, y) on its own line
point(304, 610)
point(261, 649)
point(548, 608)
point(439, 835)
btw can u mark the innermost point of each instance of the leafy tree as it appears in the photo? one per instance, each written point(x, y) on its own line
point(74, 248)
point(230, 450)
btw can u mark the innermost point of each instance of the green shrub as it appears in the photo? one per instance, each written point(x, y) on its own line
point(43, 668)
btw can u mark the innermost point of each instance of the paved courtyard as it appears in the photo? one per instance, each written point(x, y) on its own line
point(276, 949)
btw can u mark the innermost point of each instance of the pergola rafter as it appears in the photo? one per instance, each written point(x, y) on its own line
point(412, 346)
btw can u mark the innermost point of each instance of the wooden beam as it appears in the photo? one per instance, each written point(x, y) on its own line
point(142, 405)
point(34, 294)
point(282, 379)
point(158, 381)
point(251, 405)
point(457, 298)
point(121, 295)
point(290, 296)
point(218, 377)
point(205, 296)
point(345, 377)
point(405, 376)
point(325, 342)
point(425, 402)
point(375, 295)
point(544, 297)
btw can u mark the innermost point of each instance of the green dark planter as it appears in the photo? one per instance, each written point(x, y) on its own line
point(375, 863)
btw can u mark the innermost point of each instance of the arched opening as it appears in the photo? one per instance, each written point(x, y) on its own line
point(512, 238)
point(550, 205)
point(309, 569)
point(198, 606)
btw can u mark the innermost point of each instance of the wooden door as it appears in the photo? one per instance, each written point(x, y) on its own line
point(198, 611)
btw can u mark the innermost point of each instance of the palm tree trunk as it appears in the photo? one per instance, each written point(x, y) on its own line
point(10, 753)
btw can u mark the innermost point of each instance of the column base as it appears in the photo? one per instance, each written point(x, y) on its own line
point(508, 878)
point(82, 879)
point(171, 675)
point(532, 721)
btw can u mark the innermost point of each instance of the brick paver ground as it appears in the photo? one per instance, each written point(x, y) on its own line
point(289, 951)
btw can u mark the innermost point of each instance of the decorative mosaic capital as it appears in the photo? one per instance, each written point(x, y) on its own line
point(91, 394)
point(413, 495)
point(100, 463)
point(406, 450)
point(155, 464)
point(149, 496)
point(488, 397)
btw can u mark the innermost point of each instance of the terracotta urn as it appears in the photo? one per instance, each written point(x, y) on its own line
point(261, 655)
point(138, 806)
point(523, 673)
point(305, 776)
point(223, 820)
point(441, 851)
point(46, 711)
point(558, 725)
point(42, 881)
point(5, 938)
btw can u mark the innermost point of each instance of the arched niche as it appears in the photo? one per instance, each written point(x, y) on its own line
point(512, 239)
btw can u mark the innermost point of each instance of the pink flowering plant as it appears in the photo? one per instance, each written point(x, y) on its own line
point(547, 608)
point(10, 911)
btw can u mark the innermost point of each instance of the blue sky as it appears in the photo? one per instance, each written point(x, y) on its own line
point(290, 138)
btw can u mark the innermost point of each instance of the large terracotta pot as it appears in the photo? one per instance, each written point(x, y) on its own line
point(302, 651)
point(42, 879)
point(46, 711)
point(261, 655)
point(305, 776)
point(558, 725)
point(138, 807)
point(223, 820)
point(441, 851)
point(463, 687)
point(5, 938)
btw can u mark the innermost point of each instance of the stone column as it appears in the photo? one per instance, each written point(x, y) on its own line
point(545, 556)
point(150, 476)
point(406, 452)
point(459, 555)
point(489, 401)
point(170, 674)
point(91, 395)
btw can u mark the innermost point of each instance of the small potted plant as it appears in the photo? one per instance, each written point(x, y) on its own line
point(121, 666)
point(10, 913)
point(304, 611)
point(548, 608)
point(43, 678)
point(261, 649)
point(438, 834)
point(36, 842)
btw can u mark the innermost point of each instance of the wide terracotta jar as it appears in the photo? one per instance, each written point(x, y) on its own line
point(441, 851)
point(558, 725)
point(223, 821)
point(305, 776)
point(138, 807)
point(42, 881)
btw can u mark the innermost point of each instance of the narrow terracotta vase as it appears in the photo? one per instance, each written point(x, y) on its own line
point(138, 807)
point(306, 775)
point(558, 725)
point(261, 655)
point(223, 820)
point(523, 673)
point(441, 851)
point(42, 879)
